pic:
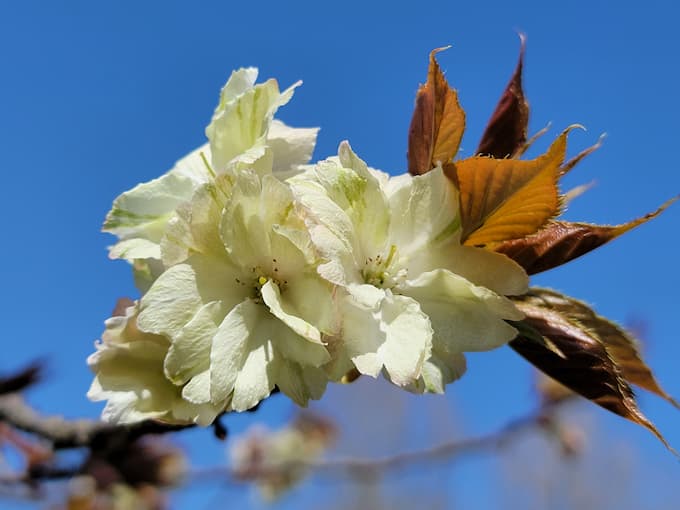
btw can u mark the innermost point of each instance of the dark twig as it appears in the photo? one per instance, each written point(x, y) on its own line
point(22, 379)
point(63, 433)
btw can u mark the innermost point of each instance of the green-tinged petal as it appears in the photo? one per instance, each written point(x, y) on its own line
point(255, 380)
point(240, 123)
point(312, 299)
point(271, 295)
point(250, 355)
point(197, 390)
point(171, 302)
point(178, 241)
point(366, 296)
point(244, 231)
point(300, 383)
point(441, 369)
point(189, 352)
point(135, 248)
point(179, 293)
point(129, 375)
point(204, 415)
point(291, 147)
point(260, 228)
point(408, 338)
point(194, 228)
point(322, 210)
point(358, 191)
point(144, 211)
point(293, 347)
point(330, 231)
point(424, 212)
point(396, 336)
point(480, 266)
point(145, 272)
point(239, 82)
point(230, 347)
point(464, 317)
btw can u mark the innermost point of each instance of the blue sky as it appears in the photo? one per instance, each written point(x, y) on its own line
point(98, 96)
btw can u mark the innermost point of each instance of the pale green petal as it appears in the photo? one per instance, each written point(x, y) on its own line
point(197, 390)
point(204, 415)
point(424, 212)
point(300, 383)
point(239, 82)
point(322, 210)
point(130, 378)
point(230, 347)
point(293, 347)
point(362, 336)
point(129, 375)
point(243, 230)
point(396, 336)
point(249, 357)
point(291, 147)
point(439, 370)
point(331, 232)
point(178, 240)
point(367, 296)
point(240, 123)
point(189, 352)
point(260, 228)
point(356, 191)
point(464, 317)
point(256, 375)
point(194, 228)
point(408, 338)
point(195, 166)
point(478, 265)
point(271, 295)
point(145, 272)
point(171, 302)
point(135, 248)
point(179, 293)
point(143, 211)
point(312, 299)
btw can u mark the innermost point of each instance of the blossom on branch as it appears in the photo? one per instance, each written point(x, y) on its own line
point(259, 271)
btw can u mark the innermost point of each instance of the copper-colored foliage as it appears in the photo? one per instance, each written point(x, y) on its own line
point(437, 124)
point(503, 199)
point(562, 241)
point(506, 131)
point(121, 306)
point(621, 346)
point(584, 363)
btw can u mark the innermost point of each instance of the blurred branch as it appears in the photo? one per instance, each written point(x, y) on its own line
point(544, 419)
point(63, 433)
point(22, 379)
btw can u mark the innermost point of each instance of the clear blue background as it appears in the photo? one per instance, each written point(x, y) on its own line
point(98, 96)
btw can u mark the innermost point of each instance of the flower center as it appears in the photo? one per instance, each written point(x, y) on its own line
point(382, 271)
point(256, 278)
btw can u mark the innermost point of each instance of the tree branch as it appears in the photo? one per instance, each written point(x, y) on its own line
point(63, 433)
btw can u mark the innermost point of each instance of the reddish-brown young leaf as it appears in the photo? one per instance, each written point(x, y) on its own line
point(585, 152)
point(621, 345)
point(437, 124)
point(503, 199)
point(506, 131)
point(562, 241)
point(583, 363)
